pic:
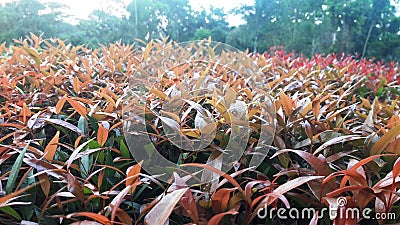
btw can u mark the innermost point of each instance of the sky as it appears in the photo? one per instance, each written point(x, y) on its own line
point(82, 8)
point(233, 20)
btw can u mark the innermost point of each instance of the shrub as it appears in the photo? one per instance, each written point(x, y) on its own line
point(64, 157)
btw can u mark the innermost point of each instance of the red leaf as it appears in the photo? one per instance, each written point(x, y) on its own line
point(337, 140)
point(220, 199)
point(215, 170)
point(75, 187)
point(217, 218)
point(117, 201)
point(318, 163)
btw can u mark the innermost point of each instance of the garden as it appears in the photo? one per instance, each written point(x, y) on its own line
point(328, 128)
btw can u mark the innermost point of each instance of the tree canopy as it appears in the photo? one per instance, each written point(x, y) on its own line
point(369, 28)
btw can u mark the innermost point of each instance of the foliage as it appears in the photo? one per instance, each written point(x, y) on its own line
point(363, 28)
point(63, 156)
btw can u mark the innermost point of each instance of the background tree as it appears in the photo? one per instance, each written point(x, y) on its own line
point(367, 28)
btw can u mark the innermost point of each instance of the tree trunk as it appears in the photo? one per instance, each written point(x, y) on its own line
point(257, 28)
point(136, 20)
point(255, 42)
point(345, 44)
point(367, 39)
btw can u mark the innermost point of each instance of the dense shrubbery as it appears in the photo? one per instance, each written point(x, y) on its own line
point(63, 156)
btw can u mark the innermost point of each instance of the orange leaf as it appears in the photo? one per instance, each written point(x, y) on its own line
point(394, 147)
point(77, 141)
point(393, 121)
point(99, 218)
point(19, 126)
point(124, 217)
point(132, 175)
point(78, 107)
point(60, 104)
point(287, 103)
point(102, 135)
point(100, 179)
point(5, 200)
point(51, 147)
point(25, 112)
point(44, 183)
point(383, 142)
point(158, 93)
point(109, 98)
point(189, 204)
point(116, 125)
point(77, 85)
point(75, 187)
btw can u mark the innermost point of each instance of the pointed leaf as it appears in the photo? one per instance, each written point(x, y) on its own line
point(99, 218)
point(132, 175)
point(15, 170)
point(75, 153)
point(319, 164)
point(217, 218)
point(292, 184)
point(44, 183)
point(51, 147)
point(287, 103)
point(215, 170)
point(102, 135)
point(163, 209)
point(337, 140)
point(385, 140)
point(60, 104)
point(78, 107)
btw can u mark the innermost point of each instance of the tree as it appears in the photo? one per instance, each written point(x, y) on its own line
point(20, 18)
point(144, 18)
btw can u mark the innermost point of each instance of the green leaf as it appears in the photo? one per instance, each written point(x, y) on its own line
point(93, 144)
point(379, 91)
point(93, 123)
point(11, 212)
point(28, 210)
point(124, 149)
point(83, 124)
point(85, 165)
point(34, 54)
point(394, 91)
point(14, 171)
point(149, 148)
